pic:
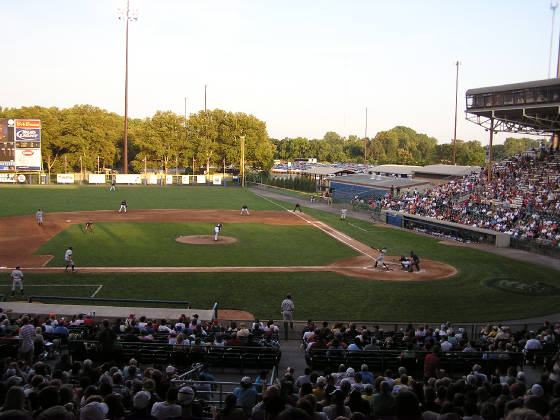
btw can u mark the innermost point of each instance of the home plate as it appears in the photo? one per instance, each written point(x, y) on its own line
point(68, 221)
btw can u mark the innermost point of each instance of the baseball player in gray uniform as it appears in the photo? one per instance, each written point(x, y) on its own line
point(17, 280)
point(287, 311)
point(39, 216)
point(68, 259)
point(381, 258)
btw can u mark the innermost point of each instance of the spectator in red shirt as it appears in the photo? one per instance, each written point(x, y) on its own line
point(432, 362)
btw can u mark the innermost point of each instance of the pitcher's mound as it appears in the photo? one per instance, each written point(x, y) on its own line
point(206, 240)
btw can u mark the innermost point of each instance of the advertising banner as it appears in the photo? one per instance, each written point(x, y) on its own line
point(28, 159)
point(201, 179)
point(96, 179)
point(7, 178)
point(169, 179)
point(217, 179)
point(28, 134)
point(185, 179)
point(27, 141)
point(152, 180)
point(65, 178)
point(28, 123)
point(128, 179)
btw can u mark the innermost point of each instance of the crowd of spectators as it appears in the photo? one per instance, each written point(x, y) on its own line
point(521, 199)
point(32, 387)
point(491, 338)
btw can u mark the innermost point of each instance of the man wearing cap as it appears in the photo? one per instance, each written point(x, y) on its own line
point(287, 311)
point(17, 280)
point(141, 406)
point(94, 410)
point(246, 394)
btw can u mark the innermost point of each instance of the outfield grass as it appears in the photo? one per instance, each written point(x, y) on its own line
point(18, 200)
point(463, 298)
point(154, 245)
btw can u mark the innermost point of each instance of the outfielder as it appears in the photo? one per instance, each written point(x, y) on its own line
point(113, 186)
point(343, 214)
point(68, 259)
point(244, 210)
point(17, 280)
point(381, 258)
point(39, 216)
point(123, 206)
point(217, 230)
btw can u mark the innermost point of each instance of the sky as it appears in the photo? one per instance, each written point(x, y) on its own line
point(303, 67)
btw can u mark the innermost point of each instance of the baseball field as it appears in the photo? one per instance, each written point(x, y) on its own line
point(163, 248)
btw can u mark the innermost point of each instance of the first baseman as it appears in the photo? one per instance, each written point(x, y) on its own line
point(244, 210)
point(68, 259)
point(39, 216)
point(217, 229)
point(17, 280)
point(88, 226)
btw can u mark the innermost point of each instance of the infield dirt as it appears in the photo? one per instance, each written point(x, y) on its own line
point(20, 237)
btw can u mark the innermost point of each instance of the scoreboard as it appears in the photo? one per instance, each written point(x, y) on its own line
point(20, 145)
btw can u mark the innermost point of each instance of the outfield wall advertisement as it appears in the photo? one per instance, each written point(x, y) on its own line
point(27, 139)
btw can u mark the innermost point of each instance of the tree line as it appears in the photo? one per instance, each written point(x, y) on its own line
point(77, 137)
point(84, 134)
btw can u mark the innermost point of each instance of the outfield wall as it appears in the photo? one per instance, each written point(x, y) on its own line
point(37, 178)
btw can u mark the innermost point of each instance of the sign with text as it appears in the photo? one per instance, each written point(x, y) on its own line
point(96, 179)
point(28, 124)
point(201, 179)
point(128, 179)
point(185, 179)
point(29, 159)
point(65, 178)
point(152, 179)
point(7, 178)
point(217, 179)
point(169, 179)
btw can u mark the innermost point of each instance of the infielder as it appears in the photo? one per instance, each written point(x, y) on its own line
point(68, 259)
point(244, 210)
point(297, 207)
point(381, 258)
point(88, 226)
point(17, 280)
point(217, 229)
point(123, 207)
point(287, 311)
point(39, 216)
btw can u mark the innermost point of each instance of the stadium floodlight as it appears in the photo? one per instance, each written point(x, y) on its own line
point(127, 14)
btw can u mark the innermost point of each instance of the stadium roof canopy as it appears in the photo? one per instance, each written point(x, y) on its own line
point(447, 170)
point(395, 169)
point(326, 170)
point(385, 182)
point(529, 107)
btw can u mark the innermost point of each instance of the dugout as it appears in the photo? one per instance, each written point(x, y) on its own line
point(447, 230)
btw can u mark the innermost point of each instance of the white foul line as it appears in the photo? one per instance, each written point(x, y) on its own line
point(97, 291)
point(324, 230)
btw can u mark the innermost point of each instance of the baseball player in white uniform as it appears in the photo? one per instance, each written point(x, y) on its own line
point(217, 229)
point(343, 214)
point(68, 259)
point(381, 258)
point(39, 216)
point(122, 208)
point(17, 280)
point(244, 210)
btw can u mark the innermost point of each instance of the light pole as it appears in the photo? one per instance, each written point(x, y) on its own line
point(455, 130)
point(242, 169)
point(128, 15)
point(553, 6)
point(365, 142)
